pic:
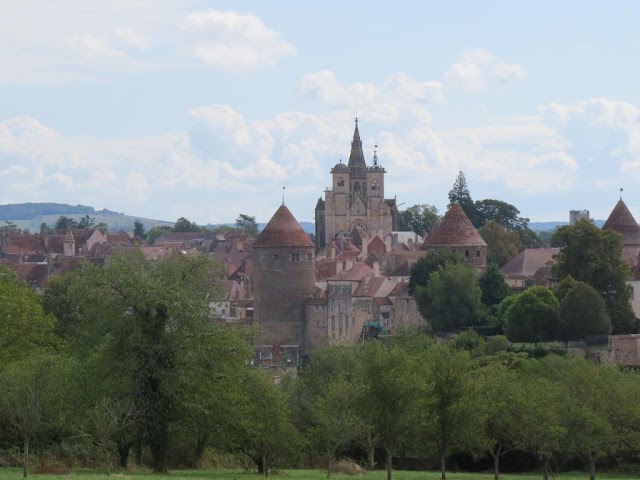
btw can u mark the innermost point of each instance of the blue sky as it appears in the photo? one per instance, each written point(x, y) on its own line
point(206, 109)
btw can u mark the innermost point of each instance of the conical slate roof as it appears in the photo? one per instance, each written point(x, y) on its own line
point(283, 230)
point(621, 220)
point(455, 230)
point(356, 157)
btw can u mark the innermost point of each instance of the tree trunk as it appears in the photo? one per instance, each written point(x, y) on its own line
point(371, 453)
point(592, 468)
point(389, 464)
point(329, 465)
point(545, 471)
point(496, 465)
point(124, 448)
point(201, 446)
point(25, 464)
point(443, 466)
point(266, 466)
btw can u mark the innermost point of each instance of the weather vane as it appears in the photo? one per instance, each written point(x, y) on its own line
point(282, 195)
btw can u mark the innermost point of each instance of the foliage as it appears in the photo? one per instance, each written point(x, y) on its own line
point(418, 219)
point(86, 222)
point(502, 213)
point(594, 256)
point(151, 335)
point(155, 232)
point(64, 223)
point(533, 316)
point(184, 225)
point(138, 229)
point(470, 341)
point(247, 224)
point(494, 288)
point(502, 244)
point(426, 265)
point(451, 300)
point(459, 194)
point(25, 328)
point(582, 312)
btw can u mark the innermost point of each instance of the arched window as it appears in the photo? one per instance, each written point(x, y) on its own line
point(341, 182)
point(374, 185)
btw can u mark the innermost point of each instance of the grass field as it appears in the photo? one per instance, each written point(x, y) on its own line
point(16, 474)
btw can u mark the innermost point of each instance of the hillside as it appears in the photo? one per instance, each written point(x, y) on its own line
point(32, 215)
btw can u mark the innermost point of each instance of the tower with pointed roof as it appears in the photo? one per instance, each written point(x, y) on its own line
point(622, 221)
point(283, 279)
point(356, 199)
point(456, 233)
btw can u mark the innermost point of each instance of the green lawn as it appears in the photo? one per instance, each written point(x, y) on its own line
point(16, 474)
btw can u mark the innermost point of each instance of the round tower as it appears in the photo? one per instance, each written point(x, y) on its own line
point(283, 278)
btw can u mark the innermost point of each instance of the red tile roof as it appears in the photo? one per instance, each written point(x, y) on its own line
point(283, 230)
point(454, 230)
point(528, 261)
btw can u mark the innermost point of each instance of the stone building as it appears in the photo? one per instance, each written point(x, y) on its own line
point(283, 279)
point(356, 199)
point(455, 232)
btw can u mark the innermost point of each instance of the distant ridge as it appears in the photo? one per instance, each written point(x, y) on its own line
point(545, 226)
point(32, 215)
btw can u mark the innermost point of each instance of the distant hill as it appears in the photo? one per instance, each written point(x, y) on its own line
point(308, 227)
point(32, 215)
point(545, 226)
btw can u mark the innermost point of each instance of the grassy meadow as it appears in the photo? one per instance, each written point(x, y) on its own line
point(237, 474)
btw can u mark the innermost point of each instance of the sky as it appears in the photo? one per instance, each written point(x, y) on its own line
point(207, 109)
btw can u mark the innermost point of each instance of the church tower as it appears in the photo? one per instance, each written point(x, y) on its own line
point(356, 199)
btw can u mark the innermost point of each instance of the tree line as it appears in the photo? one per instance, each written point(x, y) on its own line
point(125, 361)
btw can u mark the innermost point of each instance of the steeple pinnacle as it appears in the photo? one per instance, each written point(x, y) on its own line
point(356, 157)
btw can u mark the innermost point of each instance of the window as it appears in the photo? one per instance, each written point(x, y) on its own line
point(374, 185)
point(275, 257)
point(295, 257)
point(466, 253)
point(309, 257)
point(340, 182)
point(477, 253)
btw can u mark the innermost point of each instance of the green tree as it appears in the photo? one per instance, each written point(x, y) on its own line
point(64, 223)
point(392, 392)
point(86, 222)
point(503, 213)
point(582, 312)
point(459, 193)
point(247, 224)
point(426, 265)
point(184, 225)
point(448, 417)
point(44, 229)
point(451, 300)
point(533, 316)
point(418, 219)
point(149, 324)
point(502, 244)
point(594, 256)
point(138, 229)
point(155, 232)
point(25, 328)
point(494, 288)
point(28, 400)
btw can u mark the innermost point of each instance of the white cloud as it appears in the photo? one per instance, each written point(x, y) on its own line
point(233, 41)
point(477, 70)
point(59, 43)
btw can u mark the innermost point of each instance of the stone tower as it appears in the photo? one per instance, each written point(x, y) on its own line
point(456, 233)
point(621, 220)
point(356, 199)
point(69, 244)
point(284, 277)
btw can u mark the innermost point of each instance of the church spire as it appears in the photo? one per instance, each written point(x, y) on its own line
point(356, 157)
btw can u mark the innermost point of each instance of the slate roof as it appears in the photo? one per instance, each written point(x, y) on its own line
point(621, 220)
point(283, 230)
point(455, 230)
point(529, 261)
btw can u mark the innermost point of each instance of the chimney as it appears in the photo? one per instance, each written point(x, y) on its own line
point(338, 267)
point(376, 268)
point(365, 247)
point(332, 252)
point(387, 242)
point(348, 264)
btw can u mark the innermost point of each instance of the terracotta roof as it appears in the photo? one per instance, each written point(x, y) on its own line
point(621, 220)
point(455, 229)
point(528, 261)
point(355, 273)
point(377, 245)
point(369, 287)
point(400, 290)
point(356, 157)
point(283, 230)
point(33, 273)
